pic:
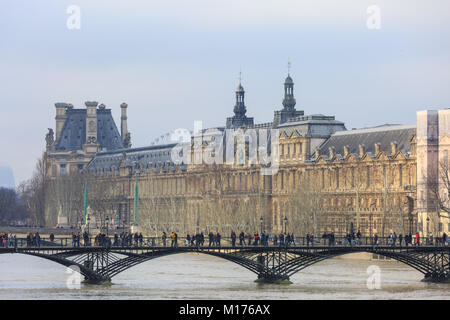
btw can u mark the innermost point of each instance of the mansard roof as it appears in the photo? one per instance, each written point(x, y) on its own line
point(73, 134)
point(316, 125)
point(383, 135)
point(146, 157)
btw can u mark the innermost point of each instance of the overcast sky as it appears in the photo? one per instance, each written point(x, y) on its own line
point(176, 61)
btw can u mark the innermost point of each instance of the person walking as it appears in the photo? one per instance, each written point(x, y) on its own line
point(211, 238)
point(172, 237)
point(241, 238)
point(218, 237)
point(164, 238)
point(233, 239)
point(38, 239)
point(188, 240)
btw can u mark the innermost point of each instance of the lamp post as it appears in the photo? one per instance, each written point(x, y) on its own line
point(107, 225)
point(261, 220)
point(428, 232)
point(285, 224)
point(88, 222)
point(410, 216)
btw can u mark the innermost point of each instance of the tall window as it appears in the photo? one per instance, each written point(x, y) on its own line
point(368, 176)
point(446, 158)
point(337, 177)
point(62, 169)
point(353, 177)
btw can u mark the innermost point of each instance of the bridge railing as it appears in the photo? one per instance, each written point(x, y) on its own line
point(112, 241)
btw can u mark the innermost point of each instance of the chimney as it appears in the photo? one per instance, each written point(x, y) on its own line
point(91, 122)
point(362, 150)
point(60, 118)
point(377, 148)
point(123, 121)
point(394, 148)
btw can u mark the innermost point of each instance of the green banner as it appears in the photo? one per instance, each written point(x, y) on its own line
point(86, 201)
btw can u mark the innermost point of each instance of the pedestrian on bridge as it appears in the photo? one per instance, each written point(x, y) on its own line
point(211, 239)
point(241, 238)
point(172, 238)
point(202, 239)
point(233, 239)
point(38, 239)
point(218, 237)
point(281, 239)
point(188, 240)
point(164, 238)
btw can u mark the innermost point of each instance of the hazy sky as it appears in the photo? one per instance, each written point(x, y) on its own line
point(174, 62)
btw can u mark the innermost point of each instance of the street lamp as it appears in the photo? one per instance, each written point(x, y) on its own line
point(285, 224)
point(410, 223)
point(261, 220)
point(107, 225)
point(428, 232)
point(88, 223)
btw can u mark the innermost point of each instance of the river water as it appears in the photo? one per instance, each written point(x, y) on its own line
point(198, 276)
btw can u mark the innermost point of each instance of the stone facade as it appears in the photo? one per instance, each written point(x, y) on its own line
point(80, 135)
point(328, 179)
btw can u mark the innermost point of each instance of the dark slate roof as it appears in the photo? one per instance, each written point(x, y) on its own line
point(147, 157)
point(73, 134)
point(383, 135)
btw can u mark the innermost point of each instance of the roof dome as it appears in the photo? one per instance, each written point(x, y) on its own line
point(240, 88)
point(288, 80)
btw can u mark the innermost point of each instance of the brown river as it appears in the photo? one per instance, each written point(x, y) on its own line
point(197, 276)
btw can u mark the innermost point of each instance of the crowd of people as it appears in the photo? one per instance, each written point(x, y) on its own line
point(7, 239)
point(245, 239)
point(128, 239)
point(125, 239)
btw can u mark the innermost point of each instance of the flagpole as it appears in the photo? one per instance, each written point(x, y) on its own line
point(86, 200)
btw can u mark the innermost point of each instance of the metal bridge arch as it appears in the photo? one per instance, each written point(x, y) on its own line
point(99, 264)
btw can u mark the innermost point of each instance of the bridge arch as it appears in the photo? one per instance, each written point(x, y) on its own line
point(414, 260)
point(98, 264)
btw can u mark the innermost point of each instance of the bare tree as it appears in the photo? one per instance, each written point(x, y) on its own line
point(439, 190)
point(33, 193)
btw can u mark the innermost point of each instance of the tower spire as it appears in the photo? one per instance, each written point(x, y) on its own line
point(289, 100)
